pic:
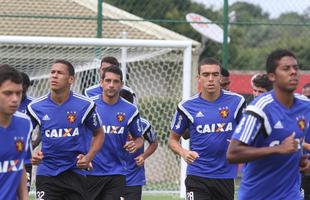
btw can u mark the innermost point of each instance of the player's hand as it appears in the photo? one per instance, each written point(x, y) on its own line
point(130, 146)
point(84, 162)
point(190, 156)
point(139, 160)
point(304, 164)
point(37, 157)
point(289, 145)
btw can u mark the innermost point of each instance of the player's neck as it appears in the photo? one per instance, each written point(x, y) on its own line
point(285, 98)
point(210, 96)
point(5, 120)
point(60, 97)
point(110, 100)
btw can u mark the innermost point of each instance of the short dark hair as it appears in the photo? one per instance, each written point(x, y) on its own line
point(307, 85)
point(274, 57)
point(208, 61)
point(262, 80)
point(10, 73)
point(26, 79)
point(68, 64)
point(110, 59)
point(225, 72)
point(127, 95)
point(113, 69)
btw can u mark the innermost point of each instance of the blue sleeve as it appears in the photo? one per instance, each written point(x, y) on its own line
point(247, 129)
point(180, 122)
point(92, 120)
point(135, 127)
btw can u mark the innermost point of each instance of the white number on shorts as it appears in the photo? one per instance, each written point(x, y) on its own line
point(190, 196)
point(40, 195)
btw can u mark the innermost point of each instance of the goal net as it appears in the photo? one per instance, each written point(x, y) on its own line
point(157, 71)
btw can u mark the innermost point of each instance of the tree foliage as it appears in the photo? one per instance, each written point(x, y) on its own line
point(253, 34)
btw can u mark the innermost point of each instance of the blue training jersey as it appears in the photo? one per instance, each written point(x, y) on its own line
point(23, 108)
point(117, 121)
point(136, 174)
point(97, 90)
point(210, 126)
point(267, 122)
point(63, 128)
point(14, 144)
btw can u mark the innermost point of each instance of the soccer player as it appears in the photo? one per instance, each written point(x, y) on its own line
point(15, 129)
point(270, 135)
point(22, 108)
point(210, 117)
point(225, 81)
point(135, 177)
point(97, 89)
point(63, 117)
point(306, 90)
point(119, 117)
point(260, 84)
point(305, 183)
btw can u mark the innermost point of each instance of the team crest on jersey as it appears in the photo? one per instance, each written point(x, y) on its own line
point(301, 123)
point(224, 111)
point(71, 116)
point(19, 144)
point(120, 117)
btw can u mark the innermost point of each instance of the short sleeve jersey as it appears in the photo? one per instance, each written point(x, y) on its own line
point(23, 108)
point(63, 128)
point(117, 121)
point(136, 174)
point(210, 126)
point(14, 144)
point(266, 123)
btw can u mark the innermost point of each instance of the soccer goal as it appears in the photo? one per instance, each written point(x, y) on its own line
point(159, 72)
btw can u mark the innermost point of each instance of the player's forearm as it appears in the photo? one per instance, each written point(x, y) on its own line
point(240, 153)
point(150, 150)
point(139, 142)
point(174, 144)
point(22, 188)
point(96, 143)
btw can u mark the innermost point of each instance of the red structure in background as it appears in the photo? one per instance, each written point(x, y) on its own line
point(241, 81)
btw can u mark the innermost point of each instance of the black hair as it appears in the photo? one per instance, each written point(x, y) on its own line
point(208, 61)
point(68, 64)
point(274, 57)
point(10, 73)
point(127, 95)
point(113, 69)
point(26, 79)
point(110, 59)
point(225, 72)
point(262, 80)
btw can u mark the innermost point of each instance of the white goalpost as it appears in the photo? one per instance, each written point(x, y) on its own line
point(159, 71)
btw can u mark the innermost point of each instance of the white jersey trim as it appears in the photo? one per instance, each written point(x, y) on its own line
point(181, 107)
point(33, 114)
point(91, 105)
point(258, 109)
point(241, 102)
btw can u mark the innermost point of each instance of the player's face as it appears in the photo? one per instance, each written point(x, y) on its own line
point(111, 85)
point(209, 78)
point(103, 66)
point(225, 82)
point(60, 78)
point(286, 75)
point(10, 97)
point(306, 92)
point(258, 91)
